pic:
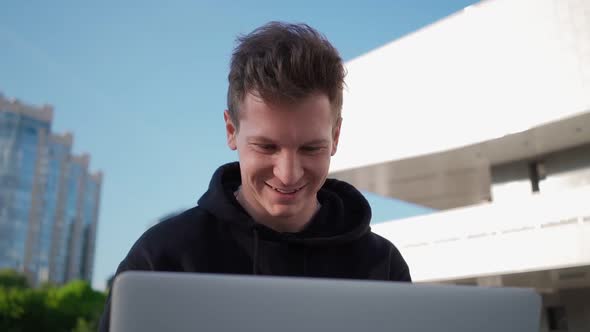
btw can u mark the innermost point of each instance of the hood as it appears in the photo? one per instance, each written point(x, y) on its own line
point(344, 215)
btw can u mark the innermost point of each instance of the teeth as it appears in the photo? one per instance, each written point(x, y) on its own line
point(285, 191)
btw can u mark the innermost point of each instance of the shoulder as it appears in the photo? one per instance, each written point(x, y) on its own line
point(379, 245)
point(398, 269)
point(179, 225)
point(169, 237)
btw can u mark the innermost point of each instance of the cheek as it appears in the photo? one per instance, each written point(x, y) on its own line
point(318, 168)
point(255, 169)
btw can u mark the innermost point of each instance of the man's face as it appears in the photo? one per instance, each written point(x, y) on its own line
point(284, 154)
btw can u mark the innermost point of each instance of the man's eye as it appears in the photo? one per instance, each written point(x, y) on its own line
point(266, 147)
point(311, 148)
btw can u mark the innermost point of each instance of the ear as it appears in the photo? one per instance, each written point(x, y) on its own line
point(336, 135)
point(230, 130)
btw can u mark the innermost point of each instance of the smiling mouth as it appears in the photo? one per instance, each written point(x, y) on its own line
point(285, 191)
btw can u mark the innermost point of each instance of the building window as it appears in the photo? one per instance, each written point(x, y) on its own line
point(537, 173)
point(556, 319)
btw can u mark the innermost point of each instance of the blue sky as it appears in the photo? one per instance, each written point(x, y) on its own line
point(142, 86)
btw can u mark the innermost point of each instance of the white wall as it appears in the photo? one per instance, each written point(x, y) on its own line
point(498, 67)
point(539, 232)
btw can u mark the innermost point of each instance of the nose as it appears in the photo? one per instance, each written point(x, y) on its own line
point(288, 168)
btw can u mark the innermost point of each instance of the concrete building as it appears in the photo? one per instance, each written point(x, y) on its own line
point(484, 116)
point(48, 199)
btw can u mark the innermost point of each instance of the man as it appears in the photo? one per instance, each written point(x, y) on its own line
point(274, 212)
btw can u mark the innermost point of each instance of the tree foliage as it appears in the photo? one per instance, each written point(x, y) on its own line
point(11, 279)
point(72, 307)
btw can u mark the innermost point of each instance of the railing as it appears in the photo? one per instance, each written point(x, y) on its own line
point(538, 232)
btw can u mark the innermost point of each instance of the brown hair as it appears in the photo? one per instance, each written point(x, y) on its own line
point(283, 63)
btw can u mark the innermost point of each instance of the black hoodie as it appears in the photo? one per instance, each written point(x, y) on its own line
point(218, 236)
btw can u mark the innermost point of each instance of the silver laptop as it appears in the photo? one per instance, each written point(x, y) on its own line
point(157, 301)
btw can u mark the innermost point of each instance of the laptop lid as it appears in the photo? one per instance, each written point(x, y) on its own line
point(158, 301)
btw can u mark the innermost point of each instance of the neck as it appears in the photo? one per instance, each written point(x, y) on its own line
point(292, 224)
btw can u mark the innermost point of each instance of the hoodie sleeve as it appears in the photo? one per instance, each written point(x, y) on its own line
point(398, 269)
point(138, 258)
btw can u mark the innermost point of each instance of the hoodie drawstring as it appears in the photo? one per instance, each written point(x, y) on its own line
point(255, 258)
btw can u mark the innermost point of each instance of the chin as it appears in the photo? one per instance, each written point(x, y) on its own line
point(282, 212)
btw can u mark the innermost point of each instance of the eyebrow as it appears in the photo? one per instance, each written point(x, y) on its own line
point(263, 139)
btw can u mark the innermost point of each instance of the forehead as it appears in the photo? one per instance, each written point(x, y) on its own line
point(308, 119)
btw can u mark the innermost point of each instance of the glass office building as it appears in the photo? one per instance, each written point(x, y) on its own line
point(44, 194)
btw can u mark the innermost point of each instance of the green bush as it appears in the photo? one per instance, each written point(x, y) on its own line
point(72, 307)
point(11, 279)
